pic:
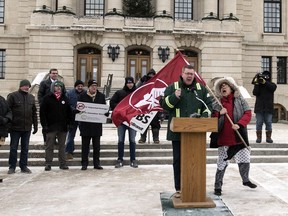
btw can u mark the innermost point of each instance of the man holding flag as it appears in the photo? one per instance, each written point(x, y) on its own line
point(187, 97)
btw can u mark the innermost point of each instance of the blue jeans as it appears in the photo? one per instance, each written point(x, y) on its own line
point(14, 142)
point(70, 145)
point(121, 140)
point(266, 118)
point(176, 145)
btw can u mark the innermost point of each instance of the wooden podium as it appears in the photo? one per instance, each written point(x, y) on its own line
point(193, 161)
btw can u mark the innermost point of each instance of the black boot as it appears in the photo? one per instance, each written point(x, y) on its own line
point(244, 169)
point(155, 132)
point(219, 181)
point(259, 136)
point(268, 137)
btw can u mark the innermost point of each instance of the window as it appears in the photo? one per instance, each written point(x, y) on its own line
point(94, 7)
point(272, 16)
point(183, 9)
point(281, 70)
point(2, 63)
point(266, 63)
point(2, 11)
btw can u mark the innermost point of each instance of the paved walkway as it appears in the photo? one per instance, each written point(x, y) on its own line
point(132, 192)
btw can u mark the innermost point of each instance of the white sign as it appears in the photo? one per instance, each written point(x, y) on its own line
point(141, 122)
point(91, 112)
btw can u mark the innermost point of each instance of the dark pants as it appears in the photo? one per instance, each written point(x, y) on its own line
point(14, 142)
point(85, 150)
point(176, 145)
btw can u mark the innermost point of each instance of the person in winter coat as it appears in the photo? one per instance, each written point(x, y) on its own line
point(181, 100)
point(5, 119)
point(91, 131)
point(116, 98)
point(155, 123)
point(264, 90)
point(73, 95)
point(24, 114)
point(55, 118)
point(229, 142)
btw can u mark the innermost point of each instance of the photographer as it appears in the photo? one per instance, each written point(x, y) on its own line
point(264, 90)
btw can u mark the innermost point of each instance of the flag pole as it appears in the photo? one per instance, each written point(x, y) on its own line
point(227, 116)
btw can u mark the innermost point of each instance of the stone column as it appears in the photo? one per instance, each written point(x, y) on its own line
point(40, 3)
point(229, 7)
point(163, 5)
point(114, 4)
point(210, 6)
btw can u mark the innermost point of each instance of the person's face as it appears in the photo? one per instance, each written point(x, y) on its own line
point(25, 88)
point(93, 89)
point(130, 85)
point(57, 89)
point(79, 88)
point(188, 76)
point(225, 89)
point(53, 74)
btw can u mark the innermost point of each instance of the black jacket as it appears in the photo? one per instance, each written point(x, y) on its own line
point(264, 97)
point(5, 117)
point(119, 95)
point(24, 111)
point(55, 115)
point(88, 128)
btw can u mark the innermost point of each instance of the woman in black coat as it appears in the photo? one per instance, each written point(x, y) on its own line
point(90, 130)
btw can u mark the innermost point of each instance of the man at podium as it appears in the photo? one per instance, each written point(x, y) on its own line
point(184, 98)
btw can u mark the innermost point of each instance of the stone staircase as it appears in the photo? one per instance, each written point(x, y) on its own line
point(147, 154)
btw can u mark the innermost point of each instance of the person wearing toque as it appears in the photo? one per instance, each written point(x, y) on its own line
point(90, 131)
point(55, 118)
point(24, 115)
point(73, 95)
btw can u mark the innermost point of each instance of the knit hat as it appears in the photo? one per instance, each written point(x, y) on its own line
point(58, 83)
point(25, 82)
point(92, 82)
point(78, 82)
point(129, 80)
point(151, 72)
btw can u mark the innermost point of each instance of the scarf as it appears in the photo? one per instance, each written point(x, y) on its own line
point(57, 95)
point(91, 95)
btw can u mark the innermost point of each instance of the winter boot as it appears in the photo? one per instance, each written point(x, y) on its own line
point(244, 169)
point(259, 136)
point(268, 137)
point(155, 132)
point(219, 181)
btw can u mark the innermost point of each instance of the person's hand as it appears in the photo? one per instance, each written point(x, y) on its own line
point(178, 92)
point(106, 114)
point(235, 126)
point(3, 120)
point(35, 130)
point(144, 78)
point(223, 111)
point(75, 111)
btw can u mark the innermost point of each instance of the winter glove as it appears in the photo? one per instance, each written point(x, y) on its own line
point(106, 114)
point(35, 130)
point(76, 111)
point(3, 120)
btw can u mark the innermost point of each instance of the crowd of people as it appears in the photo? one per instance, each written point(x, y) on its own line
point(183, 98)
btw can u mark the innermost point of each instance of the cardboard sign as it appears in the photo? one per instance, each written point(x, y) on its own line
point(91, 112)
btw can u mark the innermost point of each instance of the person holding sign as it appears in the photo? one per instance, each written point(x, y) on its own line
point(91, 130)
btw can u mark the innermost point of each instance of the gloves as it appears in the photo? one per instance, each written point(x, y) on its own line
point(106, 114)
point(3, 120)
point(75, 111)
point(144, 79)
point(35, 130)
point(45, 129)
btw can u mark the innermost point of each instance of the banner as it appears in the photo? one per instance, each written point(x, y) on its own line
point(91, 112)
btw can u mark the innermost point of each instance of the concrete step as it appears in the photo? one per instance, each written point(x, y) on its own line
point(147, 154)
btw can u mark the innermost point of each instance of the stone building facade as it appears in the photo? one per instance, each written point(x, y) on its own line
point(236, 38)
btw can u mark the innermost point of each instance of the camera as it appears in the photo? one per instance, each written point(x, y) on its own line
point(260, 78)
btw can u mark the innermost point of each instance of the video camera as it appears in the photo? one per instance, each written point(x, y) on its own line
point(260, 78)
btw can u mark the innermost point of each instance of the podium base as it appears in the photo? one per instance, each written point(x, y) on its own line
point(208, 203)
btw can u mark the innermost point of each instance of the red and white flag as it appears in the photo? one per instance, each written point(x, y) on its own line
point(146, 98)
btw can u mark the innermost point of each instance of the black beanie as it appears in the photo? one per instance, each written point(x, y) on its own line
point(91, 82)
point(129, 80)
point(78, 82)
point(24, 83)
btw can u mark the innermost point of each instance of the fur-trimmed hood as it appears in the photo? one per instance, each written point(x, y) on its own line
point(231, 82)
